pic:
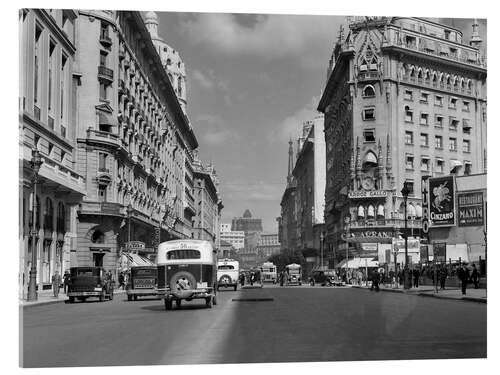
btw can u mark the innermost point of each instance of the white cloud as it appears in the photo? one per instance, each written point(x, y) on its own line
point(213, 130)
point(271, 37)
point(202, 79)
point(291, 125)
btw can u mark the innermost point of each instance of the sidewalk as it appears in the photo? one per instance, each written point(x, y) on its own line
point(46, 297)
point(473, 295)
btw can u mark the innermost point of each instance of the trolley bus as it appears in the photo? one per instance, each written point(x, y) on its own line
point(293, 274)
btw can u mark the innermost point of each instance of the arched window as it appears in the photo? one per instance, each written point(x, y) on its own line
point(469, 84)
point(48, 215)
point(61, 218)
point(434, 77)
point(368, 91)
point(412, 72)
point(169, 62)
point(427, 75)
point(420, 74)
point(380, 212)
point(371, 212)
point(448, 80)
point(361, 212)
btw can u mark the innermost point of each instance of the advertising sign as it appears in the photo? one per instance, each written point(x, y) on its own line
point(442, 201)
point(135, 245)
point(361, 194)
point(425, 206)
point(470, 209)
point(439, 249)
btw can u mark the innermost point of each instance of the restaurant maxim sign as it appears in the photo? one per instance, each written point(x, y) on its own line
point(470, 209)
point(442, 201)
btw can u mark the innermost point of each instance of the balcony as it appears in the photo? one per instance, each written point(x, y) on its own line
point(102, 137)
point(104, 73)
point(102, 208)
point(105, 40)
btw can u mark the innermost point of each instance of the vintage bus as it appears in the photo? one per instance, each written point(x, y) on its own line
point(293, 273)
point(228, 271)
point(269, 273)
point(187, 271)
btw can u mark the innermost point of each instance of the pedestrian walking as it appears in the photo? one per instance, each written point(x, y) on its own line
point(392, 279)
point(475, 276)
point(121, 280)
point(443, 274)
point(66, 281)
point(375, 280)
point(416, 276)
point(463, 276)
point(400, 278)
point(56, 283)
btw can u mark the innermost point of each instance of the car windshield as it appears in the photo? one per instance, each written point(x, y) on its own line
point(226, 267)
point(85, 272)
point(145, 272)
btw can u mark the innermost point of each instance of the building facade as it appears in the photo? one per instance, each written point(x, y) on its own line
point(268, 245)
point(206, 222)
point(235, 238)
point(133, 139)
point(246, 223)
point(404, 98)
point(47, 123)
point(287, 223)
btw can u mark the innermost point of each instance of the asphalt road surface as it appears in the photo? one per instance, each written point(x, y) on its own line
point(272, 324)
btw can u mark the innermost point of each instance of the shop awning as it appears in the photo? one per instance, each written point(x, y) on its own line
point(128, 260)
point(358, 262)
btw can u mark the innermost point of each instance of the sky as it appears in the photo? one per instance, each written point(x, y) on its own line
point(252, 81)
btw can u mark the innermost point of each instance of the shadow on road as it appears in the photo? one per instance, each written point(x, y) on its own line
point(161, 307)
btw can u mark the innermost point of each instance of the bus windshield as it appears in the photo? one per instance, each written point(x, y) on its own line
point(226, 267)
point(183, 254)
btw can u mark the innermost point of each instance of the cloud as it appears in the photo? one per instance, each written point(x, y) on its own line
point(202, 80)
point(269, 36)
point(214, 131)
point(291, 125)
point(247, 192)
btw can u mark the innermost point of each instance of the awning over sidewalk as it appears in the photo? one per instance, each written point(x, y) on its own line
point(128, 260)
point(358, 262)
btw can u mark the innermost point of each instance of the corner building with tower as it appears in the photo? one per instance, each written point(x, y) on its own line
point(404, 98)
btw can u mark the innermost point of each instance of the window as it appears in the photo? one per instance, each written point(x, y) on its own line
point(38, 34)
point(438, 123)
point(50, 77)
point(439, 165)
point(424, 119)
point(179, 86)
point(408, 95)
point(408, 138)
point(466, 145)
point(63, 83)
point(466, 126)
point(453, 144)
point(424, 164)
point(453, 124)
point(409, 161)
point(102, 58)
point(424, 140)
point(439, 141)
point(410, 185)
point(48, 216)
point(102, 161)
point(453, 103)
point(369, 136)
point(466, 107)
point(467, 168)
point(368, 91)
point(408, 114)
point(104, 31)
point(438, 101)
point(101, 194)
point(102, 91)
point(369, 114)
point(424, 97)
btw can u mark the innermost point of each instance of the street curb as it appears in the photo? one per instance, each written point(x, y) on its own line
point(52, 302)
point(422, 294)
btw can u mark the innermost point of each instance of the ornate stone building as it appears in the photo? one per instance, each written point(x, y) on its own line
point(135, 143)
point(287, 223)
point(404, 98)
point(170, 59)
point(47, 122)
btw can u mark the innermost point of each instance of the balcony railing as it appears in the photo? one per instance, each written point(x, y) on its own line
point(105, 73)
point(101, 136)
point(105, 39)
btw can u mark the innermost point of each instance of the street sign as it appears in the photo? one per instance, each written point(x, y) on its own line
point(135, 245)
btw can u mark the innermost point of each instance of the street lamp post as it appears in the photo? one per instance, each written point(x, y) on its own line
point(36, 163)
point(347, 221)
point(129, 215)
point(321, 238)
point(405, 192)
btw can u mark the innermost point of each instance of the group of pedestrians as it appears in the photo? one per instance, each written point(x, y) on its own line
point(56, 282)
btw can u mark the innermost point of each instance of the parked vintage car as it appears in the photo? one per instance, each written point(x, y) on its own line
point(268, 272)
point(323, 277)
point(141, 282)
point(293, 274)
point(187, 270)
point(88, 282)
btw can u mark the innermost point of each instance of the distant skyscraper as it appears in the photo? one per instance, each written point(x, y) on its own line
point(246, 223)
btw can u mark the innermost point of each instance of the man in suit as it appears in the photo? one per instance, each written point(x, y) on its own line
point(463, 276)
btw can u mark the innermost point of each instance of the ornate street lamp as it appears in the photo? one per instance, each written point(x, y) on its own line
point(405, 191)
point(36, 163)
point(129, 215)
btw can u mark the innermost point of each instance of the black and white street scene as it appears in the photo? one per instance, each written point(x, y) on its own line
point(222, 188)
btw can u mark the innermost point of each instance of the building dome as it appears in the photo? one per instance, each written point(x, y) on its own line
point(247, 213)
point(151, 16)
